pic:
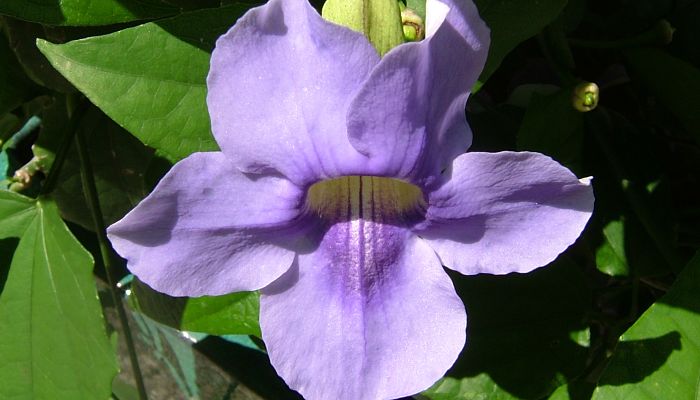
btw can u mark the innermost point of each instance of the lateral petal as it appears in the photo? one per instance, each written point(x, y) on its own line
point(505, 212)
point(208, 229)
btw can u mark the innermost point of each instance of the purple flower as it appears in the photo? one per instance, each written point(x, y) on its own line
point(341, 189)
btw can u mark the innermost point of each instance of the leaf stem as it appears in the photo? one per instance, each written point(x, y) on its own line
point(91, 196)
point(70, 130)
point(661, 286)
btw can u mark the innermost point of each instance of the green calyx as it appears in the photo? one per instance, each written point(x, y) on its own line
point(379, 20)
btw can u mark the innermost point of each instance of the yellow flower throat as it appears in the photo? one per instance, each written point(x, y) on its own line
point(367, 197)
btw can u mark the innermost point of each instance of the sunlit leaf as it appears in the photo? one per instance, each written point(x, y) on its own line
point(150, 79)
point(610, 256)
point(659, 356)
point(235, 313)
point(578, 390)
point(85, 12)
point(54, 344)
point(480, 387)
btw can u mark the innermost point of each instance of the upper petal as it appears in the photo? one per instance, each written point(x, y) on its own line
point(209, 229)
point(409, 116)
point(505, 212)
point(279, 87)
point(371, 314)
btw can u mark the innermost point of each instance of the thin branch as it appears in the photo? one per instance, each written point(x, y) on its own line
point(90, 190)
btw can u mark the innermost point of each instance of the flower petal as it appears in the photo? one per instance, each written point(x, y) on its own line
point(371, 314)
point(505, 212)
point(279, 87)
point(409, 116)
point(208, 229)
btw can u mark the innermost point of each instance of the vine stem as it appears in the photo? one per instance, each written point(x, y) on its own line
point(76, 115)
point(90, 191)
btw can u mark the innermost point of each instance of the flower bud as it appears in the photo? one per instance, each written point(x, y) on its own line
point(665, 31)
point(585, 96)
point(413, 26)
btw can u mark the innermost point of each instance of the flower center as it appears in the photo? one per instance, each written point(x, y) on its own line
point(366, 197)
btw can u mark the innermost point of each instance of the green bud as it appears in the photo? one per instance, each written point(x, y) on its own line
point(413, 26)
point(410, 33)
point(585, 96)
point(664, 31)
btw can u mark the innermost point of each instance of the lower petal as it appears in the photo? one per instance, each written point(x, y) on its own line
point(505, 212)
point(371, 314)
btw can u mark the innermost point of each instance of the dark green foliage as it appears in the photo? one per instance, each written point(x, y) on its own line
point(614, 317)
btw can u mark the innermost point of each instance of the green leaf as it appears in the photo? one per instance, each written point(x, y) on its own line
point(85, 12)
point(221, 315)
point(526, 334)
point(53, 341)
point(577, 390)
point(151, 79)
point(123, 390)
point(610, 256)
point(659, 356)
point(675, 83)
point(512, 22)
point(480, 387)
point(231, 314)
point(553, 127)
point(378, 20)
